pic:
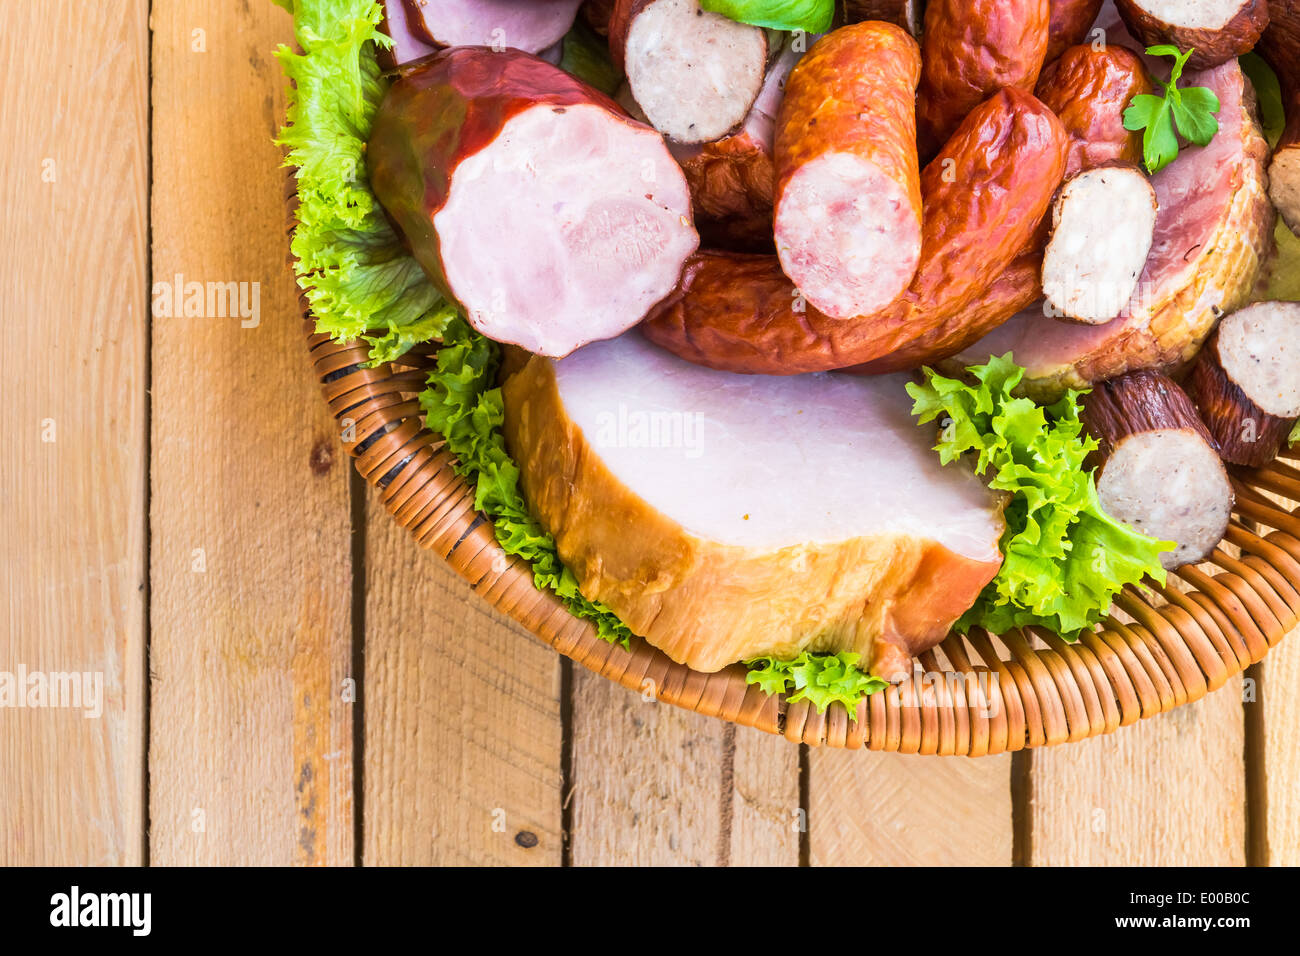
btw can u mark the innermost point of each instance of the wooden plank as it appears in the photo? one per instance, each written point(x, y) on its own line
point(877, 809)
point(1168, 791)
point(659, 786)
point(463, 729)
point(251, 731)
point(74, 175)
point(1281, 757)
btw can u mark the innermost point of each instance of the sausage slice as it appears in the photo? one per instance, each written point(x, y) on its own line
point(530, 198)
point(1246, 381)
point(848, 192)
point(694, 74)
point(1217, 30)
point(1160, 472)
point(1103, 223)
point(530, 26)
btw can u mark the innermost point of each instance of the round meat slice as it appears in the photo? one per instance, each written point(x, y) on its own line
point(1216, 30)
point(848, 200)
point(1160, 472)
point(1246, 382)
point(529, 198)
point(694, 74)
point(1103, 223)
point(528, 25)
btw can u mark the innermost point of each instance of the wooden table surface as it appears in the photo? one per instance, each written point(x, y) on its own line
point(287, 678)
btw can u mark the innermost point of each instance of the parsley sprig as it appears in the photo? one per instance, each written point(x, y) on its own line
point(1191, 109)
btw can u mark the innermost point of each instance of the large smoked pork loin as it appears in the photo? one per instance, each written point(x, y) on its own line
point(1213, 234)
point(725, 517)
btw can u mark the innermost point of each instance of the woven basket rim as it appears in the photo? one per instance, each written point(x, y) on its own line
point(974, 695)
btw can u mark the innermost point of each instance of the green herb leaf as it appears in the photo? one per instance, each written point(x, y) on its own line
point(1194, 110)
point(811, 16)
point(821, 679)
point(1064, 559)
point(1191, 110)
point(1295, 434)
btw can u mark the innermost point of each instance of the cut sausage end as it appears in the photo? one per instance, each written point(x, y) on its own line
point(1103, 225)
point(499, 24)
point(847, 235)
point(1259, 348)
point(1160, 471)
point(1215, 30)
point(601, 210)
point(694, 74)
point(1193, 14)
point(1169, 484)
point(1246, 382)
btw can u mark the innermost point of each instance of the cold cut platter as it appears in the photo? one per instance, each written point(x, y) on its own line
point(812, 345)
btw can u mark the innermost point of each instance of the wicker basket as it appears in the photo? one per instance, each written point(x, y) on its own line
point(973, 695)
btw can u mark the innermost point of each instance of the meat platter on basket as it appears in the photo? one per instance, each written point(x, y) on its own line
point(916, 376)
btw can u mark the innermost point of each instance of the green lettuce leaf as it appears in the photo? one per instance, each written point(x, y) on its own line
point(357, 278)
point(1064, 557)
point(464, 406)
point(811, 16)
point(819, 678)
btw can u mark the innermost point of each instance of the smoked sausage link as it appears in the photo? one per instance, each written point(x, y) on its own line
point(1088, 90)
point(983, 197)
point(1070, 22)
point(848, 190)
point(972, 49)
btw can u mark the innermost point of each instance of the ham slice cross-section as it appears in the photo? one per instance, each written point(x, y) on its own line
point(528, 25)
point(529, 198)
point(725, 516)
point(1213, 233)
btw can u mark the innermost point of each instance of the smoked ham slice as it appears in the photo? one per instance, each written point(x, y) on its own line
point(529, 198)
point(1213, 233)
point(725, 516)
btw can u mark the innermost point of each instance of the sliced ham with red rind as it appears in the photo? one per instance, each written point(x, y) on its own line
point(1213, 234)
point(694, 74)
point(725, 517)
point(407, 46)
point(529, 198)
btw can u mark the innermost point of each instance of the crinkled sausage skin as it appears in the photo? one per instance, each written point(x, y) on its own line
point(972, 49)
point(1089, 89)
point(984, 195)
point(848, 183)
point(1070, 22)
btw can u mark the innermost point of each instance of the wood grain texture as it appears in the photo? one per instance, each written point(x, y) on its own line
point(251, 750)
point(463, 731)
point(1168, 791)
point(876, 809)
point(654, 785)
point(73, 216)
point(1281, 754)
